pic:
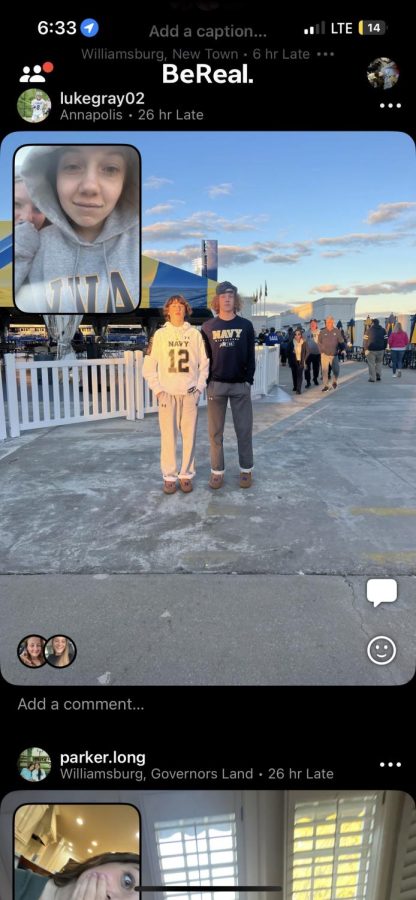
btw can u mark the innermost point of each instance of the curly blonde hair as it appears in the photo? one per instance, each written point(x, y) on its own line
point(215, 305)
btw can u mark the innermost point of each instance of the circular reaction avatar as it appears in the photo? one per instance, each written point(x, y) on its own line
point(34, 764)
point(31, 651)
point(34, 106)
point(383, 73)
point(381, 650)
point(60, 651)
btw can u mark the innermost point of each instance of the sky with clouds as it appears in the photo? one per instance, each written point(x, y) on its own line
point(309, 213)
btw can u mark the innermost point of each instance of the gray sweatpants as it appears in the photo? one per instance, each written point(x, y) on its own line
point(375, 362)
point(326, 362)
point(177, 412)
point(218, 393)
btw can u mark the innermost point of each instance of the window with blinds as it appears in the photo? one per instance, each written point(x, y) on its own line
point(330, 848)
point(407, 888)
point(198, 852)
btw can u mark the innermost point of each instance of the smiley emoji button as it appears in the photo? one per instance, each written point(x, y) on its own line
point(381, 650)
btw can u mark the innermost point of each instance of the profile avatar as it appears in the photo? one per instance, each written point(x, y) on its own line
point(34, 106)
point(34, 764)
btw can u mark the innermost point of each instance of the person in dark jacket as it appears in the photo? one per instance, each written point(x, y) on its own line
point(374, 342)
point(298, 352)
point(229, 341)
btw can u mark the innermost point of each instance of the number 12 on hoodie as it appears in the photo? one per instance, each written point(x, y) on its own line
point(182, 361)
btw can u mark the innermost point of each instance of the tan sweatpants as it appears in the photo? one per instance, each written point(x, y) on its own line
point(177, 413)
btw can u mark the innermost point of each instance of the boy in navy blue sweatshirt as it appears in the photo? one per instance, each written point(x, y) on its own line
point(229, 341)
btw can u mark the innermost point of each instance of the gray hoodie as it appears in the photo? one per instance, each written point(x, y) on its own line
point(55, 270)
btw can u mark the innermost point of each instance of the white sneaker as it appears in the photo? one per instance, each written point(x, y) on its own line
point(394, 375)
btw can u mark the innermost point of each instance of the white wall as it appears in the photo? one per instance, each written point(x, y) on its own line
point(341, 308)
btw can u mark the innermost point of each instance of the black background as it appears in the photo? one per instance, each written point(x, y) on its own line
point(326, 93)
point(348, 730)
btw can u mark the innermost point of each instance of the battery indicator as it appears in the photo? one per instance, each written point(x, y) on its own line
point(366, 27)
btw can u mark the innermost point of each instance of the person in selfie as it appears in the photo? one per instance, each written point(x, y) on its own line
point(110, 876)
point(59, 652)
point(176, 369)
point(230, 342)
point(38, 774)
point(24, 209)
point(27, 771)
point(88, 259)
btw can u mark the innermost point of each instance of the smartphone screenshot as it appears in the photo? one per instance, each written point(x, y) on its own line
point(207, 468)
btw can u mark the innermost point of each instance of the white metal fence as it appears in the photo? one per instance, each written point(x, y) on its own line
point(266, 376)
point(61, 392)
point(43, 394)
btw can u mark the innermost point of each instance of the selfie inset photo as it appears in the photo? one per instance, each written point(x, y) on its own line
point(77, 229)
point(63, 850)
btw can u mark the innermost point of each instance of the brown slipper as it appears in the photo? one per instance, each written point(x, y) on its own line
point(169, 487)
point(216, 481)
point(185, 485)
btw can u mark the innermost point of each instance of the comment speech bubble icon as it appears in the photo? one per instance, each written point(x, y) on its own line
point(381, 590)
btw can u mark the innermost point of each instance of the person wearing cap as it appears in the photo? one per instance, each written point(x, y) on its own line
point(229, 340)
point(329, 339)
point(313, 357)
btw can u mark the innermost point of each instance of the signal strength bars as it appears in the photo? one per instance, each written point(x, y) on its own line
point(315, 29)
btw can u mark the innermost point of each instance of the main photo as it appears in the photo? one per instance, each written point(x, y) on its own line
point(192, 844)
point(247, 431)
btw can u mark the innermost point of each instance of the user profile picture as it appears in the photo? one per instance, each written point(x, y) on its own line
point(34, 764)
point(60, 651)
point(34, 106)
point(31, 651)
point(383, 73)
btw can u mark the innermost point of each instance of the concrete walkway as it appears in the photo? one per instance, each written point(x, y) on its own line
point(333, 496)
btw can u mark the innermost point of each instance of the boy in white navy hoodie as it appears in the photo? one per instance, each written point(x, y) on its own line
point(177, 371)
